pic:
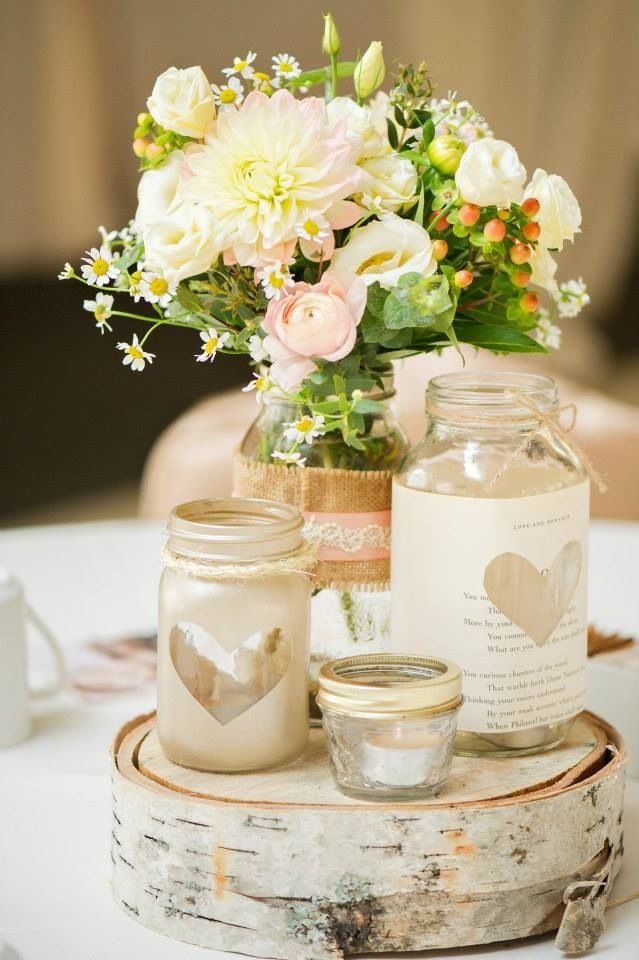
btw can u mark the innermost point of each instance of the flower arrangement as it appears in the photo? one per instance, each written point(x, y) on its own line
point(327, 236)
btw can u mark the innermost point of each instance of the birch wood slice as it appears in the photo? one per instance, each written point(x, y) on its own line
point(281, 865)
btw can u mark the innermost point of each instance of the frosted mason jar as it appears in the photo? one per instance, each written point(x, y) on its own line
point(234, 612)
point(488, 558)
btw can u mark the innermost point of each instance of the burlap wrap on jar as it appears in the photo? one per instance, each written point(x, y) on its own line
point(347, 516)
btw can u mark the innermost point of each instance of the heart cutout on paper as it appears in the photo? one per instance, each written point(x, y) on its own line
point(228, 684)
point(534, 601)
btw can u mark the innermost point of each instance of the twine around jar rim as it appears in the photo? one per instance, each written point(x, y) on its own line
point(549, 418)
point(302, 562)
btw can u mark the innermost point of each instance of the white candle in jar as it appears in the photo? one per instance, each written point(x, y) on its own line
point(401, 758)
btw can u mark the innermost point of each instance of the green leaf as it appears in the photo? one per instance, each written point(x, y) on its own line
point(310, 78)
point(499, 339)
point(391, 129)
point(376, 299)
point(187, 299)
point(428, 133)
point(419, 302)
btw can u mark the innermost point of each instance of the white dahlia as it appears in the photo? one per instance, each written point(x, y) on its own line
point(266, 165)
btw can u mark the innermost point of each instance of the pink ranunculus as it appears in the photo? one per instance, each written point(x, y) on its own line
point(314, 321)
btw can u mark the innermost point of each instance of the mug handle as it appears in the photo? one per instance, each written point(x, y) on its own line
point(59, 663)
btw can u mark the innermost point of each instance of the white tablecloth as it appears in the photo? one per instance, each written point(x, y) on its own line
point(99, 580)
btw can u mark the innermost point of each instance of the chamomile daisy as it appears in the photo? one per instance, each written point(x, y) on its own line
point(134, 356)
point(229, 95)
point(259, 383)
point(241, 66)
point(285, 67)
point(98, 267)
point(212, 341)
point(292, 457)
point(101, 309)
point(313, 227)
point(305, 430)
point(154, 288)
point(67, 272)
point(275, 279)
point(256, 348)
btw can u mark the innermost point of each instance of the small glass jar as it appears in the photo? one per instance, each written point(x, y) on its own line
point(234, 612)
point(350, 621)
point(489, 552)
point(390, 724)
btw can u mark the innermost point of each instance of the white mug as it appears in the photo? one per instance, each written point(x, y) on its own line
point(15, 694)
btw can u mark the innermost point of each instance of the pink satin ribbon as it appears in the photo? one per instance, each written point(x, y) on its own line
point(352, 521)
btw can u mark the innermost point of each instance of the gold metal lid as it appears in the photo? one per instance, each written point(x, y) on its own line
point(387, 684)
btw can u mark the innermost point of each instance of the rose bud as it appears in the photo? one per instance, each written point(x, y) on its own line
point(529, 302)
point(519, 253)
point(445, 152)
point(463, 278)
point(330, 40)
point(495, 231)
point(531, 230)
point(440, 249)
point(530, 207)
point(469, 214)
point(369, 71)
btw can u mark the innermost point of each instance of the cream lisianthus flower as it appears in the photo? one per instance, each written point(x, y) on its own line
point(559, 212)
point(384, 250)
point(390, 181)
point(365, 127)
point(544, 269)
point(182, 101)
point(157, 190)
point(182, 244)
point(490, 173)
point(268, 162)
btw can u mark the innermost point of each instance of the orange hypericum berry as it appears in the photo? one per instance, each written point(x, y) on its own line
point(520, 253)
point(503, 214)
point(441, 223)
point(154, 150)
point(440, 249)
point(495, 231)
point(529, 302)
point(139, 147)
point(530, 207)
point(463, 278)
point(531, 230)
point(469, 214)
point(520, 278)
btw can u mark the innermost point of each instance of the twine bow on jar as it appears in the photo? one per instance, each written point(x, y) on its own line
point(551, 420)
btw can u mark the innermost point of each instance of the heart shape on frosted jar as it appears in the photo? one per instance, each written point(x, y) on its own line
point(227, 684)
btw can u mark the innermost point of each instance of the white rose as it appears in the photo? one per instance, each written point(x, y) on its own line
point(384, 250)
point(182, 101)
point(391, 178)
point(490, 173)
point(181, 245)
point(559, 214)
point(544, 269)
point(157, 190)
point(360, 126)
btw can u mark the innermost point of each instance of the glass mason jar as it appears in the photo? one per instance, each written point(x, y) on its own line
point(233, 636)
point(390, 724)
point(342, 621)
point(489, 550)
